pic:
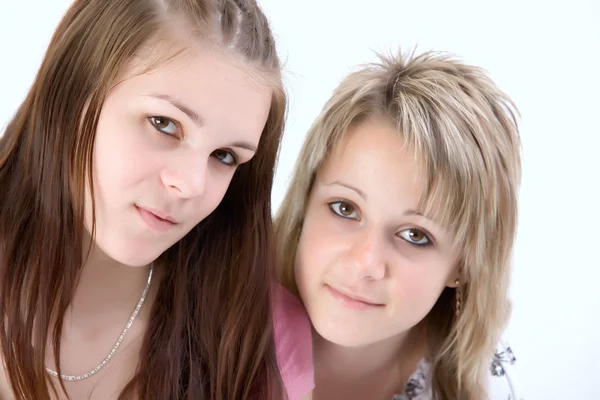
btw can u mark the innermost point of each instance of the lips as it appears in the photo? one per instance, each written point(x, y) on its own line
point(155, 219)
point(161, 215)
point(352, 300)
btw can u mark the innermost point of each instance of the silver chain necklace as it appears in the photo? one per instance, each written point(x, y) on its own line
point(117, 344)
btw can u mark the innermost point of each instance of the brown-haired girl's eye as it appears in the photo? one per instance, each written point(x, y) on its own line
point(164, 125)
point(226, 157)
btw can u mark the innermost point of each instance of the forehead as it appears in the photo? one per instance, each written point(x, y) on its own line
point(226, 92)
point(373, 156)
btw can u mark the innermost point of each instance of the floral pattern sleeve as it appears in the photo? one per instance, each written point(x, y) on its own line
point(504, 377)
point(502, 380)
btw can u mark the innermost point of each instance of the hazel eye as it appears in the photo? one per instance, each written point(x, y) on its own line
point(415, 236)
point(226, 157)
point(344, 210)
point(164, 125)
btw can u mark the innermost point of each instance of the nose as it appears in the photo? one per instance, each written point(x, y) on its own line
point(186, 175)
point(367, 259)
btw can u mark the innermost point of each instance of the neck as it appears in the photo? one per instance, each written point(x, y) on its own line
point(377, 370)
point(106, 295)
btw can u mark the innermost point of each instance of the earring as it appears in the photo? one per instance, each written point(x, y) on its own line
point(457, 295)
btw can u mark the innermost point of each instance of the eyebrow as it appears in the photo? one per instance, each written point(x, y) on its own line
point(245, 145)
point(417, 213)
point(355, 189)
point(195, 117)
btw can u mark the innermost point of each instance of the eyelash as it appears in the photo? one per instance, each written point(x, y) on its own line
point(234, 163)
point(153, 121)
point(421, 231)
point(332, 207)
point(339, 203)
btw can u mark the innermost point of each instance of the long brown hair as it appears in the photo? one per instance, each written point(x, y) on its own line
point(209, 335)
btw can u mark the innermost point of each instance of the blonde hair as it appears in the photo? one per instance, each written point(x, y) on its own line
point(464, 134)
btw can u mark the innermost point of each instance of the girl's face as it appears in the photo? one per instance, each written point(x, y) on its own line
point(369, 266)
point(167, 145)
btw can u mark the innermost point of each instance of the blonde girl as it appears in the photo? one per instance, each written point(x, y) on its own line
point(398, 228)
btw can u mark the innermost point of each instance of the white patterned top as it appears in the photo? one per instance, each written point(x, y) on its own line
point(502, 383)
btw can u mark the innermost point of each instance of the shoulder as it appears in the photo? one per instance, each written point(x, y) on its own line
point(293, 342)
point(503, 381)
point(502, 378)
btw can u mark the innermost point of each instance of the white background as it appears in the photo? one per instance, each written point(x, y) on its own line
point(546, 55)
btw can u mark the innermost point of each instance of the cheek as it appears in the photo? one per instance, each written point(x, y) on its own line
point(315, 255)
point(303, 263)
point(121, 156)
point(417, 287)
point(218, 182)
point(304, 270)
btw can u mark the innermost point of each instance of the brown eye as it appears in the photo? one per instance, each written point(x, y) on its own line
point(415, 236)
point(164, 125)
point(225, 157)
point(344, 210)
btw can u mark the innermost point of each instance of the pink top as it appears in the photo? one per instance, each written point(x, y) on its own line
point(293, 343)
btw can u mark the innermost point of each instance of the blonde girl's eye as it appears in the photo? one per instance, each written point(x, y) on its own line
point(344, 210)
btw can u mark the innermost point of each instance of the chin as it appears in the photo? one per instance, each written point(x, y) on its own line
point(129, 254)
point(342, 334)
point(135, 261)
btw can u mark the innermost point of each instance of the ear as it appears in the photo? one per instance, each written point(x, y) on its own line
point(455, 276)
